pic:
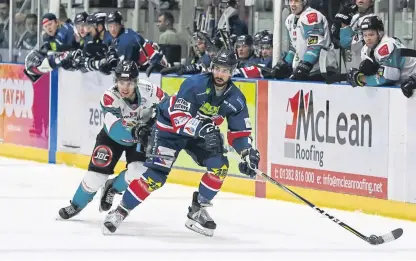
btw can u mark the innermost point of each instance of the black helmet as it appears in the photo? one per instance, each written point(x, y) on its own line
point(114, 17)
point(268, 39)
point(126, 70)
point(225, 58)
point(260, 35)
point(96, 18)
point(80, 18)
point(372, 22)
point(244, 39)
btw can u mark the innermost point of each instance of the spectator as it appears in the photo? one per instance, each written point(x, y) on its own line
point(4, 23)
point(169, 35)
point(28, 39)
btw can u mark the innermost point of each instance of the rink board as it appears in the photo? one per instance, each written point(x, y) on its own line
point(387, 162)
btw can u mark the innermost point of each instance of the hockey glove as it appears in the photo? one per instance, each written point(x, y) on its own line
point(408, 86)
point(345, 14)
point(213, 138)
point(368, 66)
point(281, 70)
point(353, 77)
point(251, 159)
point(302, 71)
point(141, 134)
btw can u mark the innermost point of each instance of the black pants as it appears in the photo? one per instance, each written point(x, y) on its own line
point(107, 153)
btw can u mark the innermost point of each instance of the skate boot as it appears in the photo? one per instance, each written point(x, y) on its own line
point(198, 218)
point(113, 219)
point(69, 211)
point(107, 195)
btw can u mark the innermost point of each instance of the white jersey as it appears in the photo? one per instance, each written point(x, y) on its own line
point(308, 35)
point(352, 41)
point(121, 115)
point(393, 67)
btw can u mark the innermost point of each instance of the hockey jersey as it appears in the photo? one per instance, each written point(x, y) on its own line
point(308, 34)
point(196, 100)
point(393, 67)
point(121, 115)
point(351, 39)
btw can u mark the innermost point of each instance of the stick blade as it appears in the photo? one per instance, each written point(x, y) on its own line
point(393, 235)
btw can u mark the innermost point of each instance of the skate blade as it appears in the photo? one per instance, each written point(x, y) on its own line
point(196, 227)
point(106, 231)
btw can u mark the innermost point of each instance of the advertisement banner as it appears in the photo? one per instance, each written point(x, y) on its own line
point(329, 137)
point(80, 117)
point(24, 107)
point(171, 85)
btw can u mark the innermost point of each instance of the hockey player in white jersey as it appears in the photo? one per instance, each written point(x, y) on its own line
point(349, 19)
point(382, 59)
point(309, 34)
point(129, 114)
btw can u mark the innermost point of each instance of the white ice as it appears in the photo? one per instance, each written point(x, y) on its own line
point(248, 228)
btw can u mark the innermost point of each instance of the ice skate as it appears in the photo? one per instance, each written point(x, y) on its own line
point(113, 220)
point(69, 211)
point(198, 218)
point(107, 196)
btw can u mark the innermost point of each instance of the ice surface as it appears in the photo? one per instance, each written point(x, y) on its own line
point(248, 228)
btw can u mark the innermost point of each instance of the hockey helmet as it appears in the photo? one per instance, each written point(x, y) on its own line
point(96, 18)
point(244, 40)
point(225, 58)
point(372, 22)
point(80, 18)
point(115, 18)
point(126, 70)
point(267, 40)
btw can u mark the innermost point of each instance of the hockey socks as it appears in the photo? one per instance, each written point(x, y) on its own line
point(82, 197)
point(120, 184)
point(210, 185)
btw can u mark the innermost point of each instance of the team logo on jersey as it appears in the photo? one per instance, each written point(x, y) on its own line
point(312, 18)
point(208, 109)
point(108, 100)
point(313, 39)
point(102, 156)
point(384, 50)
point(182, 105)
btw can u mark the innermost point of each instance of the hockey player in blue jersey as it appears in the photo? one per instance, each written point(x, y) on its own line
point(57, 37)
point(129, 113)
point(382, 60)
point(189, 121)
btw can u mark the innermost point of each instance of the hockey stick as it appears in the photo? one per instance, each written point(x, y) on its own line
point(373, 239)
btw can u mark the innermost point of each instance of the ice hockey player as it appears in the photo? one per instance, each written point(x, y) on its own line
point(349, 19)
point(257, 41)
point(57, 37)
point(189, 121)
point(308, 33)
point(129, 113)
point(382, 62)
point(80, 33)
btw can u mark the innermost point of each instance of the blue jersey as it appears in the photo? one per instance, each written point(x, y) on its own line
point(183, 113)
point(127, 44)
point(63, 40)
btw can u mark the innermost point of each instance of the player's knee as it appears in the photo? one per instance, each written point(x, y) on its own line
point(150, 181)
point(218, 165)
point(93, 181)
point(134, 171)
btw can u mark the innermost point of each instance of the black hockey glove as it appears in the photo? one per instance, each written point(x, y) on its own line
point(251, 159)
point(213, 138)
point(141, 133)
point(281, 70)
point(345, 14)
point(353, 77)
point(408, 86)
point(368, 66)
point(71, 60)
point(302, 71)
point(181, 69)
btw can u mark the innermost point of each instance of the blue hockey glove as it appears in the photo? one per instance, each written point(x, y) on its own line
point(251, 159)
